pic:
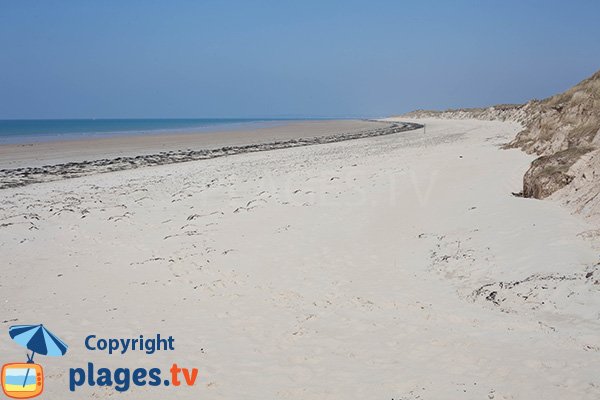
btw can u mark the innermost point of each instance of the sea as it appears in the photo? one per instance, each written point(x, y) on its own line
point(42, 130)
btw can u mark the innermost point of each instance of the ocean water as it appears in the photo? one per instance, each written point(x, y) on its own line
point(17, 378)
point(41, 130)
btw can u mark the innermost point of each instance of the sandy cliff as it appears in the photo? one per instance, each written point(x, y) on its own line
point(564, 130)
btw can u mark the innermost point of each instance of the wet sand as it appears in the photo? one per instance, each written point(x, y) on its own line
point(189, 148)
point(55, 152)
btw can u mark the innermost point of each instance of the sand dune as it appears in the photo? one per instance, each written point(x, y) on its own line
point(564, 131)
point(397, 266)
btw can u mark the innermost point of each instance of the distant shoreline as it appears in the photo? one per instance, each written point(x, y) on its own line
point(22, 131)
point(44, 153)
point(295, 135)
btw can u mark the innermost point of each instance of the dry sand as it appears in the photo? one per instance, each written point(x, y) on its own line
point(395, 267)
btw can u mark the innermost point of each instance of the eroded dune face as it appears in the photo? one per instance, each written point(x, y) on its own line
point(564, 121)
point(564, 130)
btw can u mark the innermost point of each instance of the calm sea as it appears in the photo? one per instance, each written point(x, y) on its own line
point(40, 130)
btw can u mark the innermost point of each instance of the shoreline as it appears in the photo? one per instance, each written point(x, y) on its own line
point(42, 131)
point(18, 155)
point(25, 175)
point(38, 154)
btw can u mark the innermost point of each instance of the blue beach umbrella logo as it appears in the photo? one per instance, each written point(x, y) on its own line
point(38, 339)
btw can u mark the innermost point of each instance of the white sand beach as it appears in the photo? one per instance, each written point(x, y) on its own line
point(393, 267)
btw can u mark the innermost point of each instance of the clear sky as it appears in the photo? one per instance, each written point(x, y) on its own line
point(252, 58)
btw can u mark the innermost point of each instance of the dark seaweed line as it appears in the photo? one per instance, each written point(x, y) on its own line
point(16, 177)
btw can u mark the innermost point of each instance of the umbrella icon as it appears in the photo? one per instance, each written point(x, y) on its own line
point(39, 340)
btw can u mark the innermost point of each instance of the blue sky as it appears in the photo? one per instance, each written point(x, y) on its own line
point(128, 59)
